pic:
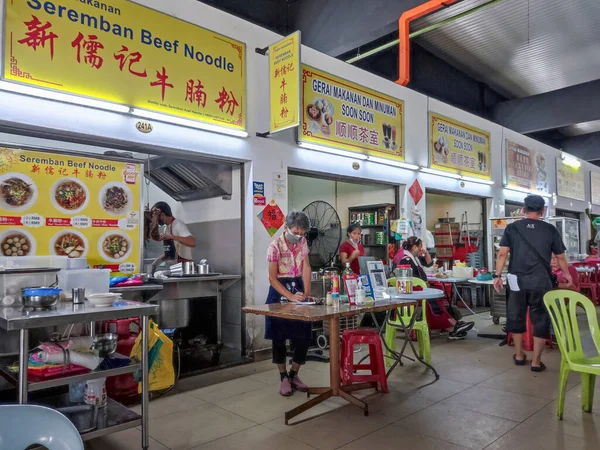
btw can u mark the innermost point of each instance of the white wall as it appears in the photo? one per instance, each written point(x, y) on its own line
point(341, 195)
point(277, 154)
point(438, 205)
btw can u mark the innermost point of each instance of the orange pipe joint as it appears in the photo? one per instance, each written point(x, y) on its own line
point(404, 34)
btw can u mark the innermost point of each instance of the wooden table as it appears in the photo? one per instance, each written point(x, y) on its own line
point(331, 314)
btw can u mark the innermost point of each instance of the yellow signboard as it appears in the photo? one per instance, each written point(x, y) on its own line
point(458, 148)
point(61, 205)
point(284, 83)
point(121, 52)
point(344, 115)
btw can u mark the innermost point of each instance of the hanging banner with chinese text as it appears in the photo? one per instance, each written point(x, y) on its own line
point(128, 54)
point(525, 168)
point(344, 115)
point(76, 206)
point(458, 148)
point(595, 186)
point(570, 181)
point(284, 83)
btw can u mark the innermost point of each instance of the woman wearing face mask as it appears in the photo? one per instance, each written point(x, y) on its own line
point(352, 249)
point(438, 318)
point(289, 276)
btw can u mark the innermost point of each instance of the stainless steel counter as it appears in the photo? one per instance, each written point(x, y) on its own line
point(16, 318)
point(141, 293)
point(120, 418)
point(197, 287)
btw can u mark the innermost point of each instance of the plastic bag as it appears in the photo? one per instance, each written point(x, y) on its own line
point(161, 374)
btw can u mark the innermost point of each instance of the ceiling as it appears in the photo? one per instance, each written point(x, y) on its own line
point(530, 65)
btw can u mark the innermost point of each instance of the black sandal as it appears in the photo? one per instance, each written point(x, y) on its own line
point(541, 368)
point(520, 362)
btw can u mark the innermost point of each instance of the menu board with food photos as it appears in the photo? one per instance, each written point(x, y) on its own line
point(54, 204)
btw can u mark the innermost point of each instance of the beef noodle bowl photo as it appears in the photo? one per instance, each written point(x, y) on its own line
point(70, 195)
point(69, 244)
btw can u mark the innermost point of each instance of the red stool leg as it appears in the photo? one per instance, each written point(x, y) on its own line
point(381, 367)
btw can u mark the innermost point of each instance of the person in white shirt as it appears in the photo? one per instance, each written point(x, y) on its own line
point(177, 239)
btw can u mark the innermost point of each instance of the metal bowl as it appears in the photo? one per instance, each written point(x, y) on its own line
point(40, 301)
point(104, 344)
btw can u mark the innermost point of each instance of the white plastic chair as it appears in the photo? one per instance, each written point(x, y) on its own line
point(22, 426)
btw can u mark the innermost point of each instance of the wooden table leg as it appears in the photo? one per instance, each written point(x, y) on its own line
point(334, 354)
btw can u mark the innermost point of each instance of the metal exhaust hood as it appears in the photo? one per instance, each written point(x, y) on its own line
point(186, 180)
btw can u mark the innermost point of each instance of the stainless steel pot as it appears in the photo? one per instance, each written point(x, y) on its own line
point(183, 268)
point(203, 267)
point(173, 313)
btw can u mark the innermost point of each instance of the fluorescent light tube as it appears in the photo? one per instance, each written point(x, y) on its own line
point(477, 180)
point(391, 162)
point(440, 173)
point(186, 122)
point(527, 191)
point(335, 151)
point(61, 97)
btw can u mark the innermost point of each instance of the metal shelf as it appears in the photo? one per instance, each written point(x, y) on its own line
point(11, 377)
point(112, 418)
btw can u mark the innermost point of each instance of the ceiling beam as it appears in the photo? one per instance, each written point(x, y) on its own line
point(585, 146)
point(335, 27)
point(560, 108)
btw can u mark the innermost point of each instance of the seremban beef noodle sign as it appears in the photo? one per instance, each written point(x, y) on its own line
point(525, 168)
point(345, 115)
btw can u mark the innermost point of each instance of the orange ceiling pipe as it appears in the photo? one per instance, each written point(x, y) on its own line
point(403, 34)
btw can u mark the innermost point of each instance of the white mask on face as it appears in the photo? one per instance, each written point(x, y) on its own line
point(293, 238)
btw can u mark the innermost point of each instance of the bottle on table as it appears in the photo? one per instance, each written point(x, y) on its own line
point(348, 270)
point(404, 278)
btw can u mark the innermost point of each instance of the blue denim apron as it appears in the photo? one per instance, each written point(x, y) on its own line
point(278, 329)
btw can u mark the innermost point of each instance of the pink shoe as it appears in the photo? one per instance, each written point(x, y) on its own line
point(286, 387)
point(298, 385)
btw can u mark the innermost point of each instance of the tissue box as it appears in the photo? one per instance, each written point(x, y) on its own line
point(462, 272)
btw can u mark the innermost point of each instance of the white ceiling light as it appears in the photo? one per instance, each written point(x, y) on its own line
point(59, 96)
point(391, 162)
point(187, 123)
point(570, 160)
point(440, 173)
point(477, 180)
point(527, 191)
point(334, 151)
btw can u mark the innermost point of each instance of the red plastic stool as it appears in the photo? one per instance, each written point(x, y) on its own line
point(528, 337)
point(370, 337)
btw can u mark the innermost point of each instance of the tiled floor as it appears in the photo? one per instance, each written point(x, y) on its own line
point(482, 401)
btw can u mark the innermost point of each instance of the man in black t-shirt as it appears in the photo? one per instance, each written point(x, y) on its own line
point(531, 242)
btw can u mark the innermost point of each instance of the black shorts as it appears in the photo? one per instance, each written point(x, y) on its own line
point(516, 313)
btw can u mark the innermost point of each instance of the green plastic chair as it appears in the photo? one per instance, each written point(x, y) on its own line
point(420, 327)
point(562, 306)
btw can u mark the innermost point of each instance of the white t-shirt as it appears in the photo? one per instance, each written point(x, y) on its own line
point(179, 228)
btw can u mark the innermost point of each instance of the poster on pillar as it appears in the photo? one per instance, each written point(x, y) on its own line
point(595, 186)
point(125, 53)
point(525, 168)
point(284, 83)
point(54, 204)
point(343, 115)
point(570, 181)
point(458, 147)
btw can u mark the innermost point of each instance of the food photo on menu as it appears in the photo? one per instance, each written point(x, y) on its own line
point(69, 206)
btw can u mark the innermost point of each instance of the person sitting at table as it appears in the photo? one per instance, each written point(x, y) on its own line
point(289, 277)
point(352, 249)
point(562, 283)
point(438, 318)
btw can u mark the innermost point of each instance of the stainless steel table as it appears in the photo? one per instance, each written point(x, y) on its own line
point(22, 320)
point(190, 287)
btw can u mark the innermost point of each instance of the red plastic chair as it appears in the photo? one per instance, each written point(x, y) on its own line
point(588, 280)
point(528, 337)
point(438, 321)
point(370, 337)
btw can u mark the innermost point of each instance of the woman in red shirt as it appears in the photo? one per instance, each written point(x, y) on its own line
point(352, 249)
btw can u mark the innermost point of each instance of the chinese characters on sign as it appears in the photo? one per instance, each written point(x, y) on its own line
point(74, 206)
point(340, 114)
point(595, 186)
point(525, 168)
point(284, 83)
point(272, 218)
point(570, 181)
point(458, 148)
point(127, 54)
